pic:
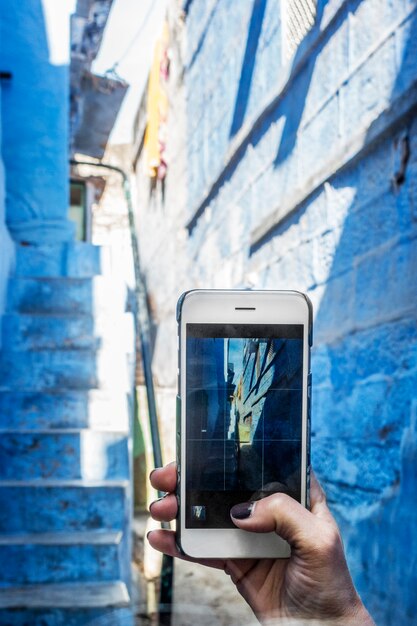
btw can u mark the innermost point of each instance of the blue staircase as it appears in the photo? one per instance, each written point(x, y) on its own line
point(66, 377)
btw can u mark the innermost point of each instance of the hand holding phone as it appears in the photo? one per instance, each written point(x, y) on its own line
point(314, 584)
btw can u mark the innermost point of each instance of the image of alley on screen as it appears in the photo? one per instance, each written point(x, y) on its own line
point(243, 417)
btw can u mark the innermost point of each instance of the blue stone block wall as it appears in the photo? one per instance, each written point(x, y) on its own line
point(299, 170)
point(302, 174)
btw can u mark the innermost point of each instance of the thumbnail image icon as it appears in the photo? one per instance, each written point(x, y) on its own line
point(199, 513)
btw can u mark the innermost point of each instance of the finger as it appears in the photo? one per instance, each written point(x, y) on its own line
point(317, 494)
point(164, 478)
point(277, 513)
point(165, 509)
point(164, 541)
point(318, 500)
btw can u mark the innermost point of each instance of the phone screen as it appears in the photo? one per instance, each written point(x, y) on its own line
point(243, 417)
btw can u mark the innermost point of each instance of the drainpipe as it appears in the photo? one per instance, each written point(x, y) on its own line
point(142, 325)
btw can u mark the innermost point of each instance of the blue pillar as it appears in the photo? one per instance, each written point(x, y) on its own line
point(6, 244)
point(35, 123)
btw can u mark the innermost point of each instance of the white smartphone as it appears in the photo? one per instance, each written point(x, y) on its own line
point(243, 414)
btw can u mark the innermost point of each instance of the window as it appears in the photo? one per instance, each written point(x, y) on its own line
point(77, 209)
point(298, 18)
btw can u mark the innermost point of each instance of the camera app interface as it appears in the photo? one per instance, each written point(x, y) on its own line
point(243, 416)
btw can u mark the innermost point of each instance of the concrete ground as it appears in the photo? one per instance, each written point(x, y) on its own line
point(207, 597)
point(201, 595)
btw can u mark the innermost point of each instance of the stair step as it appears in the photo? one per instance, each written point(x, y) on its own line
point(66, 380)
point(82, 538)
point(66, 295)
point(63, 506)
point(72, 369)
point(66, 595)
point(59, 557)
point(121, 616)
point(75, 260)
point(85, 454)
point(68, 332)
point(93, 409)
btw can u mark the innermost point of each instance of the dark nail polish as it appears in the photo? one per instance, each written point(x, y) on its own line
point(242, 511)
point(158, 500)
point(154, 470)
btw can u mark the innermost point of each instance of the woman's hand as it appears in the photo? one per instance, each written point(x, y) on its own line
point(313, 584)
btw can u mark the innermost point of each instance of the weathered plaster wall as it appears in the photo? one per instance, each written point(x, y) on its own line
point(35, 49)
point(281, 175)
point(162, 238)
point(6, 244)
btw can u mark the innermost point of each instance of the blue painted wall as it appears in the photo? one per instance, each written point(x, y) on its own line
point(35, 122)
point(291, 169)
point(6, 244)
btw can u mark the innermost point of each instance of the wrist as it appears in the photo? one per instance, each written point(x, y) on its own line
point(357, 616)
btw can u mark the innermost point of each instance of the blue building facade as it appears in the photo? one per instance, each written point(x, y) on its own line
point(302, 167)
point(298, 170)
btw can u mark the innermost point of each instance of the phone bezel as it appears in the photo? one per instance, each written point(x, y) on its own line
point(257, 307)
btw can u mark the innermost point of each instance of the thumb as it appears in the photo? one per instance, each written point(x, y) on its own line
point(277, 513)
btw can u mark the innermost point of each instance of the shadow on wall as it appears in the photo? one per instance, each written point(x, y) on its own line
point(248, 65)
point(301, 65)
point(300, 76)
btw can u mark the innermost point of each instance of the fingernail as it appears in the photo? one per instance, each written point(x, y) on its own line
point(148, 533)
point(158, 500)
point(242, 511)
point(154, 470)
